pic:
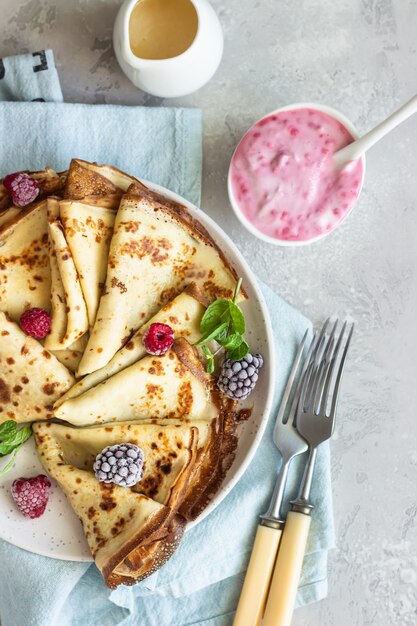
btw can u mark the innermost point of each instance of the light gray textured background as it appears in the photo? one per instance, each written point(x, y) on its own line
point(360, 57)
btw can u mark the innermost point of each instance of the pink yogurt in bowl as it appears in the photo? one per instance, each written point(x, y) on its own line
point(283, 184)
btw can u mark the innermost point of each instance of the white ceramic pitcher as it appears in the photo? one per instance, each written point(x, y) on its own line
point(175, 76)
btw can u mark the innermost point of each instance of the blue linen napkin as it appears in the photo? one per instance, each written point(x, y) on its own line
point(201, 583)
point(30, 77)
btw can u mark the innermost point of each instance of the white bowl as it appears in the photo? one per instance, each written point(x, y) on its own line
point(235, 205)
point(58, 533)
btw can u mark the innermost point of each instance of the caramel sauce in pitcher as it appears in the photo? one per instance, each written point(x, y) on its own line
point(162, 29)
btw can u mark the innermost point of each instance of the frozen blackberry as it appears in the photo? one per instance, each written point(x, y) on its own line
point(121, 464)
point(237, 379)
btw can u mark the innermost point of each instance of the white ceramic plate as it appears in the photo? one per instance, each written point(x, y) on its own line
point(58, 532)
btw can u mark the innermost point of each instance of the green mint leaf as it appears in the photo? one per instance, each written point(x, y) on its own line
point(15, 440)
point(232, 341)
point(224, 322)
point(213, 316)
point(19, 437)
point(222, 336)
point(10, 464)
point(207, 352)
point(237, 319)
point(210, 359)
point(238, 353)
point(23, 434)
point(7, 429)
point(213, 334)
point(12, 441)
point(6, 449)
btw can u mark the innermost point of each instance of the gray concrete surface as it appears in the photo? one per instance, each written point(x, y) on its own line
point(360, 57)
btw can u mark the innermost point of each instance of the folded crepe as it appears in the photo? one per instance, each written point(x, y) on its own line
point(213, 463)
point(89, 179)
point(24, 262)
point(206, 462)
point(67, 296)
point(88, 229)
point(59, 318)
point(24, 259)
point(31, 378)
point(147, 559)
point(129, 530)
point(174, 385)
point(183, 314)
point(71, 356)
point(156, 249)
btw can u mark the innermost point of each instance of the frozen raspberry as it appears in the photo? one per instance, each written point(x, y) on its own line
point(31, 495)
point(158, 339)
point(22, 188)
point(35, 323)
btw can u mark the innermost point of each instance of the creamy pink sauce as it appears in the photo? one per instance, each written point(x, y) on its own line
point(284, 180)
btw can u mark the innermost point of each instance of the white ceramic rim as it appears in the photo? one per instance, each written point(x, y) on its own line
point(235, 206)
point(214, 230)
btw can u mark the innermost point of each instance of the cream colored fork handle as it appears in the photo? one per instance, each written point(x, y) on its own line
point(286, 576)
point(258, 576)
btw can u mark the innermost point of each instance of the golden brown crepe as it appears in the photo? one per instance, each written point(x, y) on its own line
point(67, 285)
point(24, 262)
point(89, 179)
point(88, 229)
point(173, 385)
point(156, 249)
point(24, 258)
point(59, 317)
point(210, 432)
point(31, 378)
point(183, 314)
point(123, 526)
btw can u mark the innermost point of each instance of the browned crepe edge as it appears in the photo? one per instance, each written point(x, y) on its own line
point(223, 444)
point(196, 293)
point(109, 201)
point(186, 354)
point(205, 465)
point(227, 452)
point(132, 544)
point(165, 548)
point(82, 182)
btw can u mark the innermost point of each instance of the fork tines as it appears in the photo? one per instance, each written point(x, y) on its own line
point(322, 378)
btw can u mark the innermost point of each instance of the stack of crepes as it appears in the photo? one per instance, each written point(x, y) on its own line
point(106, 257)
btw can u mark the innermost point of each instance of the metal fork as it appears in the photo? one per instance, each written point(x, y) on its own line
point(315, 418)
point(290, 444)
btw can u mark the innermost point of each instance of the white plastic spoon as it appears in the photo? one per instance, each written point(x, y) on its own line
point(355, 149)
